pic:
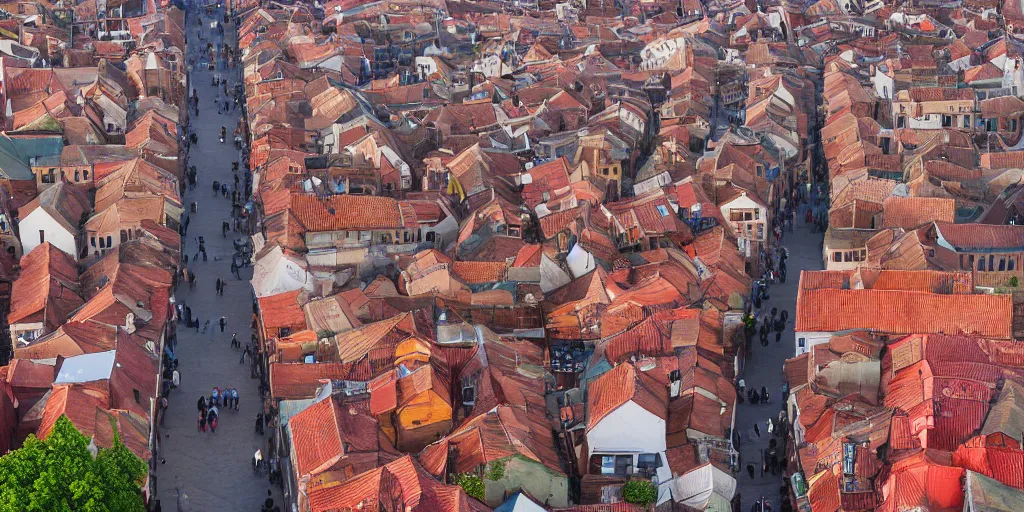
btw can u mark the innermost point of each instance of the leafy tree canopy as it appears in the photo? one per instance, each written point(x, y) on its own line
point(59, 474)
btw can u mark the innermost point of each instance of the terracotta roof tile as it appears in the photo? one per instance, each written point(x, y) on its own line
point(620, 385)
point(402, 480)
point(281, 311)
point(480, 272)
point(913, 212)
point(981, 236)
point(48, 283)
point(289, 381)
point(346, 212)
point(901, 312)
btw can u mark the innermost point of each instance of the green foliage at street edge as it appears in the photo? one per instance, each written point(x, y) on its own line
point(472, 484)
point(639, 492)
point(59, 474)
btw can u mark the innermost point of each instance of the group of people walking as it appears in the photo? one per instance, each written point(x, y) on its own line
point(209, 407)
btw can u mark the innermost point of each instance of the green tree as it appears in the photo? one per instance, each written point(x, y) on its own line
point(472, 484)
point(59, 474)
point(639, 492)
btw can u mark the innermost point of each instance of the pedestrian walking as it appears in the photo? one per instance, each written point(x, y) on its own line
point(771, 426)
point(223, 322)
point(211, 418)
point(234, 340)
point(218, 286)
point(764, 395)
point(234, 398)
point(201, 422)
point(206, 325)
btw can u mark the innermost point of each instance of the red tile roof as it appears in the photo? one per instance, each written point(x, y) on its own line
point(981, 236)
point(502, 432)
point(1003, 463)
point(914, 212)
point(346, 212)
point(901, 312)
point(622, 384)
point(47, 284)
point(290, 381)
point(479, 272)
point(402, 483)
point(329, 434)
point(924, 480)
point(281, 311)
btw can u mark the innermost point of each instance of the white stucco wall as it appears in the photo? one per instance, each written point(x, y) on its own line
point(59, 237)
point(628, 429)
point(743, 202)
point(810, 339)
point(883, 84)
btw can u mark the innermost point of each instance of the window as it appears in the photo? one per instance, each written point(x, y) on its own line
point(648, 462)
point(1002, 264)
point(837, 257)
point(103, 243)
point(76, 175)
point(991, 263)
point(42, 236)
point(947, 121)
point(1010, 264)
point(85, 175)
point(663, 210)
point(110, 241)
point(137, 395)
point(801, 343)
point(49, 176)
point(124, 236)
point(92, 241)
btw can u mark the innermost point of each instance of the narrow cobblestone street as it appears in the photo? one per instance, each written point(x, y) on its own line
point(763, 367)
point(205, 471)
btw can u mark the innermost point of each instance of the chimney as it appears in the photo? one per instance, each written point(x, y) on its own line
point(57, 365)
